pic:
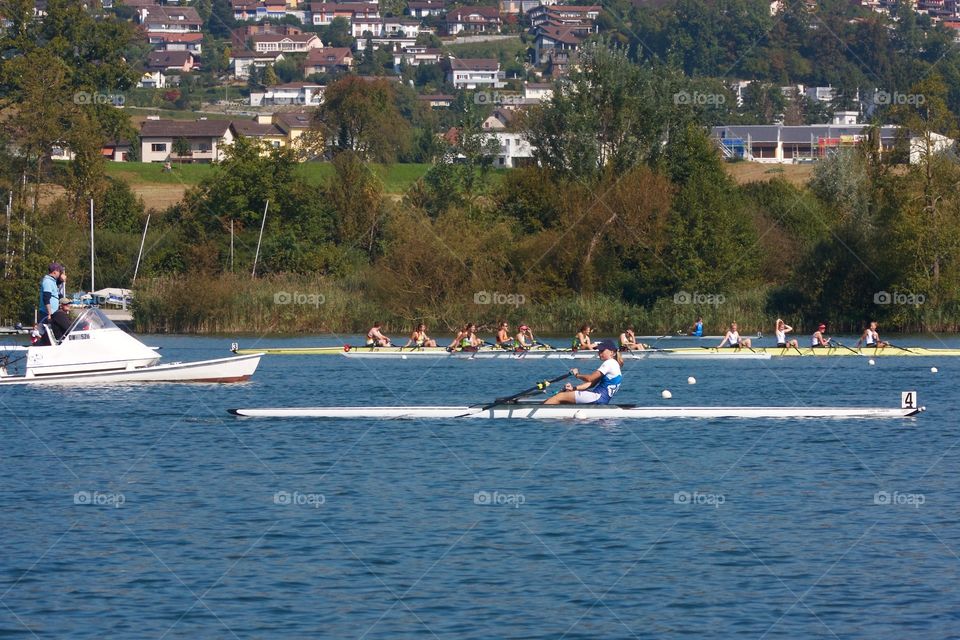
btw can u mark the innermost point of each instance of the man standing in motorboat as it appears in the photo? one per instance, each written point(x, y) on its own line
point(50, 297)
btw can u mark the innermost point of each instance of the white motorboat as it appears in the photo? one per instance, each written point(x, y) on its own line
point(96, 351)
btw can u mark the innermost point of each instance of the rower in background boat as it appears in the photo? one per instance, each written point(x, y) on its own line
point(524, 334)
point(597, 387)
point(466, 339)
point(375, 337)
point(420, 339)
point(732, 339)
point(628, 341)
point(781, 331)
point(503, 339)
point(871, 338)
point(819, 340)
point(582, 339)
point(697, 329)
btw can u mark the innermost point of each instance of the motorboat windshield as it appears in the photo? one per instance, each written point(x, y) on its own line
point(91, 320)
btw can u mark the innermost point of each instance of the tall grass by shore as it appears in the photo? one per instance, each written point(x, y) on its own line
point(290, 305)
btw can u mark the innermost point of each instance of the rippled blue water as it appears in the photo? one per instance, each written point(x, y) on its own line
point(661, 529)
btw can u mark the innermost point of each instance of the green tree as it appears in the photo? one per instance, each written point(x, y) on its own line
point(609, 115)
point(362, 116)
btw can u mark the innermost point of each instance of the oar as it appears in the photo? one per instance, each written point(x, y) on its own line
point(837, 342)
point(890, 344)
point(542, 344)
point(540, 386)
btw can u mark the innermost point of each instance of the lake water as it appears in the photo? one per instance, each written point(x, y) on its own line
point(149, 512)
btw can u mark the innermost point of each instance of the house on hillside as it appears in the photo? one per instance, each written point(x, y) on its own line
point(171, 61)
point(473, 20)
point(475, 73)
point(291, 93)
point(293, 124)
point(550, 39)
point(244, 61)
point(207, 140)
point(173, 28)
point(328, 60)
point(261, 129)
point(425, 8)
point(287, 43)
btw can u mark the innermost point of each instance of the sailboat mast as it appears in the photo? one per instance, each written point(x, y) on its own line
point(136, 269)
point(92, 252)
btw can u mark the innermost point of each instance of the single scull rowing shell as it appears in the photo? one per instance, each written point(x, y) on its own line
point(576, 412)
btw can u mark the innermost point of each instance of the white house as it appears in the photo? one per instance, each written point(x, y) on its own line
point(475, 73)
point(292, 93)
point(243, 62)
point(537, 91)
point(295, 43)
point(206, 138)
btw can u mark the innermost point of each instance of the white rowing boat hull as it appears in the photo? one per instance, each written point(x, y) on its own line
point(575, 412)
point(232, 369)
point(546, 354)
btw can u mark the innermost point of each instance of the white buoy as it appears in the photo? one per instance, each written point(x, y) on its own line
point(691, 380)
point(934, 370)
point(403, 357)
point(665, 394)
point(871, 362)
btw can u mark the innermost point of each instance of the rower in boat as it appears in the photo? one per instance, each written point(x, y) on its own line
point(732, 339)
point(466, 339)
point(420, 339)
point(819, 340)
point(524, 338)
point(503, 339)
point(628, 341)
point(697, 329)
point(870, 338)
point(782, 330)
point(597, 387)
point(375, 337)
point(582, 339)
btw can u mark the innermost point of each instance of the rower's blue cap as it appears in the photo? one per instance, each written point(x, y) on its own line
point(606, 345)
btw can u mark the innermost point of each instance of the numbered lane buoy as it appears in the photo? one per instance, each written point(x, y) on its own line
point(934, 370)
point(691, 380)
point(665, 394)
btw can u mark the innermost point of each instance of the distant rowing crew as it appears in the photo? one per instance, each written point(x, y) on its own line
point(870, 338)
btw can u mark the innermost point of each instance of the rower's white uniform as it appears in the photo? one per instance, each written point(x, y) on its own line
point(733, 338)
point(606, 386)
point(871, 338)
point(781, 336)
